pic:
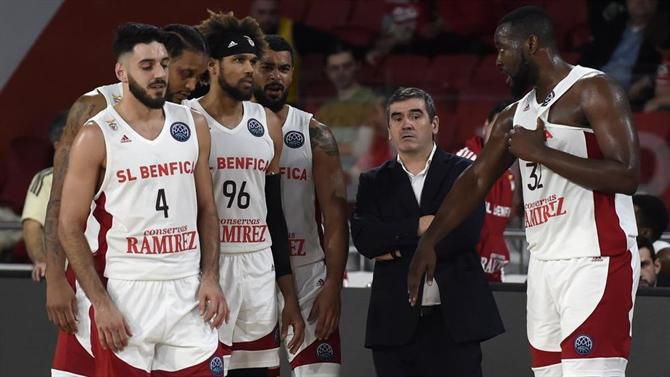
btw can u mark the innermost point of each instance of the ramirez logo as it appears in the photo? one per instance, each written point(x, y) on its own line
point(294, 139)
point(325, 352)
point(255, 127)
point(583, 345)
point(216, 366)
point(180, 131)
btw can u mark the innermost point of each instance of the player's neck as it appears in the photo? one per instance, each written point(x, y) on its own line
point(550, 74)
point(283, 114)
point(135, 111)
point(219, 104)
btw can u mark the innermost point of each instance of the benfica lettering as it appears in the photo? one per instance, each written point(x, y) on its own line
point(243, 233)
point(297, 174)
point(163, 244)
point(296, 245)
point(539, 212)
point(155, 171)
point(497, 210)
point(242, 163)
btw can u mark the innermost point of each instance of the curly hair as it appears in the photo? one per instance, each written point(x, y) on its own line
point(219, 26)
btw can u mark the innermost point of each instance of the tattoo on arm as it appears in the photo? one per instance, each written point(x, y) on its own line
point(321, 137)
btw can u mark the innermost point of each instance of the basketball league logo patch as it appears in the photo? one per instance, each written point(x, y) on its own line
point(255, 127)
point(216, 366)
point(180, 131)
point(583, 345)
point(294, 139)
point(325, 352)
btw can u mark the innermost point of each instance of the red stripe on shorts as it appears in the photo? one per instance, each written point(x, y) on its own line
point(268, 342)
point(541, 358)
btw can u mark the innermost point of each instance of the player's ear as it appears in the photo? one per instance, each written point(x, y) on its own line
point(213, 66)
point(121, 73)
point(532, 43)
point(435, 124)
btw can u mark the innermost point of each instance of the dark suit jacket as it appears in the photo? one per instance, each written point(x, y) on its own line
point(386, 218)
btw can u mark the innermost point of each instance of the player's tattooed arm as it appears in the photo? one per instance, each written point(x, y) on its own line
point(331, 194)
point(322, 138)
point(61, 303)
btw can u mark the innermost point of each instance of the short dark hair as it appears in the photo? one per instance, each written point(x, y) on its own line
point(219, 26)
point(181, 37)
point(130, 34)
point(652, 214)
point(402, 94)
point(531, 20)
point(278, 43)
point(56, 127)
point(339, 47)
point(644, 242)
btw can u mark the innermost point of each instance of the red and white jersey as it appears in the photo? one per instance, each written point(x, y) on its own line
point(144, 216)
point(112, 93)
point(492, 248)
point(239, 159)
point(297, 188)
point(563, 219)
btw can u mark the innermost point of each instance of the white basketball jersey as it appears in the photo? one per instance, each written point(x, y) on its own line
point(112, 93)
point(297, 188)
point(563, 219)
point(144, 216)
point(239, 160)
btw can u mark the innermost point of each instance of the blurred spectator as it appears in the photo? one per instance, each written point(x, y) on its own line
point(356, 117)
point(663, 259)
point(305, 39)
point(492, 248)
point(415, 27)
point(651, 216)
point(35, 207)
point(649, 265)
point(659, 86)
point(621, 46)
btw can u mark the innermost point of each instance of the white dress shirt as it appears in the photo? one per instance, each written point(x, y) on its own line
point(431, 293)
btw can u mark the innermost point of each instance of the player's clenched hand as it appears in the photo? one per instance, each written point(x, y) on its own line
point(113, 331)
point(212, 303)
point(39, 269)
point(526, 144)
point(423, 262)
point(326, 310)
point(62, 304)
point(291, 316)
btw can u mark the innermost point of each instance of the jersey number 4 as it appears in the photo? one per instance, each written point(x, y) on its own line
point(230, 191)
point(161, 203)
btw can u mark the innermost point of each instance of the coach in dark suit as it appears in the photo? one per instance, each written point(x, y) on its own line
point(394, 206)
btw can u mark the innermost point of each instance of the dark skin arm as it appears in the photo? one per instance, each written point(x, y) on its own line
point(331, 194)
point(468, 192)
point(605, 107)
point(61, 303)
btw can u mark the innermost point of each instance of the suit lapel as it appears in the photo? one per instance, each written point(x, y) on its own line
point(436, 173)
point(404, 188)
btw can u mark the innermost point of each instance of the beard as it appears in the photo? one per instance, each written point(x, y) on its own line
point(233, 91)
point(525, 77)
point(142, 95)
point(274, 104)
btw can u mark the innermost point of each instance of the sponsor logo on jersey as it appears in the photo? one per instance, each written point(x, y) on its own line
point(548, 98)
point(320, 283)
point(583, 344)
point(243, 230)
point(540, 211)
point(116, 98)
point(547, 134)
point(296, 246)
point(255, 127)
point(155, 171)
point(497, 210)
point(163, 241)
point(527, 107)
point(125, 139)
point(216, 366)
point(294, 139)
point(597, 259)
point(180, 131)
point(325, 352)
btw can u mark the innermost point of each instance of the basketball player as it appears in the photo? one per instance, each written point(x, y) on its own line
point(311, 172)
point(246, 147)
point(73, 354)
point(140, 168)
point(579, 159)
